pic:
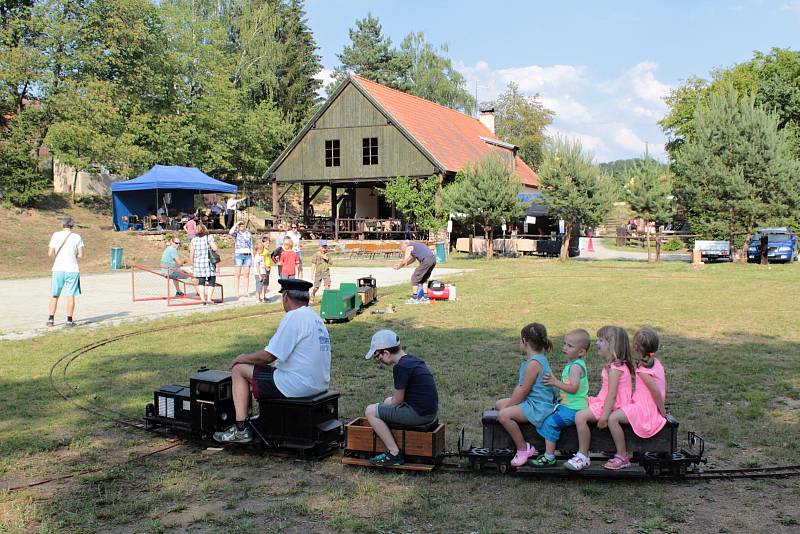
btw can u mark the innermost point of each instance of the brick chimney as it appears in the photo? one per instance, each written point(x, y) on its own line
point(487, 118)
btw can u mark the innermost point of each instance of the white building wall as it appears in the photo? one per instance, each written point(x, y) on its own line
point(89, 183)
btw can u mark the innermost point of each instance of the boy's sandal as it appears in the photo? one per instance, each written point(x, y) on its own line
point(542, 461)
point(618, 462)
point(577, 463)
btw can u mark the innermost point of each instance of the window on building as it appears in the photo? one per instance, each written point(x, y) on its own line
point(369, 151)
point(332, 153)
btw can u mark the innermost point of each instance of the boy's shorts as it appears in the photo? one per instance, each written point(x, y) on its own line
point(553, 424)
point(319, 278)
point(69, 283)
point(261, 282)
point(402, 415)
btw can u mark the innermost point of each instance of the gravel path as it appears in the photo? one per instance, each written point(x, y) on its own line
point(106, 298)
point(603, 253)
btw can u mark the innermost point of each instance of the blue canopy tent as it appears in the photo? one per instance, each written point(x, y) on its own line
point(143, 195)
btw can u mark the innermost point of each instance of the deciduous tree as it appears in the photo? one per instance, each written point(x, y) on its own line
point(521, 120)
point(416, 199)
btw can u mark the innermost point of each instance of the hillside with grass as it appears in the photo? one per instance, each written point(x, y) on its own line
point(25, 234)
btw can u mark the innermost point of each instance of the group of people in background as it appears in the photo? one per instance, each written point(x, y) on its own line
point(249, 256)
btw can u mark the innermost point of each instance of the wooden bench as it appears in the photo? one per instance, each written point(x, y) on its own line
point(666, 441)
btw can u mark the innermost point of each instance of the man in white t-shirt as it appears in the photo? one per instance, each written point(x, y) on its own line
point(66, 247)
point(230, 210)
point(295, 363)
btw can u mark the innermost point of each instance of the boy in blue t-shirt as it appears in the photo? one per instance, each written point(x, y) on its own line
point(415, 400)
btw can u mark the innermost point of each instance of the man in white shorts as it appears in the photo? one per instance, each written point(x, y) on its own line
point(66, 247)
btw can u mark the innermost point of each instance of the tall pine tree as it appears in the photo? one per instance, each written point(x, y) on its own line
point(736, 171)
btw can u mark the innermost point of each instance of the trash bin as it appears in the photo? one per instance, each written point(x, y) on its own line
point(441, 257)
point(116, 257)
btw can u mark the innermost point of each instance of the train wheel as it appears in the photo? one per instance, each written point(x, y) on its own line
point(503, 467)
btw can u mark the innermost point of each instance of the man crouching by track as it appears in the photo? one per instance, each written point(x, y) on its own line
point(295, 363)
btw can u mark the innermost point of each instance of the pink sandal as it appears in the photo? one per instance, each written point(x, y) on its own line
point(618, 462)
point(522, 455)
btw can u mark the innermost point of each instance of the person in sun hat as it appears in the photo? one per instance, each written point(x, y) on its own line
point(66, 247)
point(414, 402)
point(295, 363)
point(321, 261)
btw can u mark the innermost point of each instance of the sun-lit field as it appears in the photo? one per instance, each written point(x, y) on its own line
point(731, 347)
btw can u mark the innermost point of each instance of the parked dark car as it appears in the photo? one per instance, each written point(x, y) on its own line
point(781, 245)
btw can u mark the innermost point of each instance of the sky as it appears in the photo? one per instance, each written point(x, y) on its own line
point(603, 66)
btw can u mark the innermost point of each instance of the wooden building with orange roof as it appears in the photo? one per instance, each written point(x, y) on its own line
point(367, 134)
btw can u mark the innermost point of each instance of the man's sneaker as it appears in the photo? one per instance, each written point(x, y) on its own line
point(179, 293)
point(71, 323)
point(412, 300)
point(542, 461)
point(386, 459)
point(50, 322)
point(577, 463)
point(234, 435)
point(425, 300)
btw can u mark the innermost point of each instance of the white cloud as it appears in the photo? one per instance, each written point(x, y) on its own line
point(567, 108)
point(641, 82)
point(794, 5)
point(531, 79)
point(326, 77)
point(612, 118)
point(590, 143)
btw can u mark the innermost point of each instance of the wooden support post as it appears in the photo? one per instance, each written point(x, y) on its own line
point(274, 199)
point(306, 203)
point(334, 217)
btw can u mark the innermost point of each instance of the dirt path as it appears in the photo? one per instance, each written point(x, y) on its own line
point(106, 298)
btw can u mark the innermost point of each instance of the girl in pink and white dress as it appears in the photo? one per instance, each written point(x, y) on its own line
point(615, 391)
point(645, 413)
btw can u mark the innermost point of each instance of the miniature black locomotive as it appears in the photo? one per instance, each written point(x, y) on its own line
point(309, 425)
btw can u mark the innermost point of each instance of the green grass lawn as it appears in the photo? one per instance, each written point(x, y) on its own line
point(731, 347)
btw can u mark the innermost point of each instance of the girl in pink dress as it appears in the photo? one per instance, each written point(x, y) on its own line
point(615, 392)
point(645, 413)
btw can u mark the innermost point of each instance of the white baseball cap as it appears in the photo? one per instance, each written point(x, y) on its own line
point(383, 339)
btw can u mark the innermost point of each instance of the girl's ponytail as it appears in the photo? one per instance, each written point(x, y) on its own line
point(647, 340)
point(535, 335)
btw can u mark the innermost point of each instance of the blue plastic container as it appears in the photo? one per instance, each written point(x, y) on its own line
point(441, 257)
point(116, 257)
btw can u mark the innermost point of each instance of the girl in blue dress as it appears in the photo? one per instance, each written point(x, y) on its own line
point(531, 401)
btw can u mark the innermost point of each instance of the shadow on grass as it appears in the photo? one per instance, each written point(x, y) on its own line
point(725, 391)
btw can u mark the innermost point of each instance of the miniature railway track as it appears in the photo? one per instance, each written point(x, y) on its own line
point(786, 471)
point(59, 382)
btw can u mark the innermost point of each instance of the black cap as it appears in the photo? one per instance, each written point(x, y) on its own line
point(296, 284)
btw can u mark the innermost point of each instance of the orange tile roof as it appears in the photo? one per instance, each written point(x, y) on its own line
point(451, 137)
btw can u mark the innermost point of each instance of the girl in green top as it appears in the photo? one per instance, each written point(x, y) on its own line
point(574, 386)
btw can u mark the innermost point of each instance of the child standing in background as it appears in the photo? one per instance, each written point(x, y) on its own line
point(260, 273)
point(574, 386)
point(645, 413)
point(615, 391)
point(322, 268)
point(290, 266)
point(532, 401)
